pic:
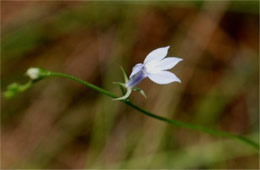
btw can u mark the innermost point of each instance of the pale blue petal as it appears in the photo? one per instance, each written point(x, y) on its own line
point(136, 69)
point(157, 54)
point(168, 63)
point(163, 77)
point(137, 78)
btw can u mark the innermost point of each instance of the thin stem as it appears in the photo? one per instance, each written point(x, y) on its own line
point(194, 126)
point(98, 89)
point(173, 122)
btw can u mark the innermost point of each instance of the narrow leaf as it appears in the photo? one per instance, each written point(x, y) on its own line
point(124, 74)
point(141, 91)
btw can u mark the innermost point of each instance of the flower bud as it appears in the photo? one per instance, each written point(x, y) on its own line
point(33, 73)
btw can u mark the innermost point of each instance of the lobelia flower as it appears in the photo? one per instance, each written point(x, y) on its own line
point(155, 67)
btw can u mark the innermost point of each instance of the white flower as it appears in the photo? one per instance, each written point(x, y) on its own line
point(154, 67)
point(33, 73)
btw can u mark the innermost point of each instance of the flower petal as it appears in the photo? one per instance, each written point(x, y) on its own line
point(152, 67)
point(136, 69)
point(156, 54)
point(163, 77)
point(137, 78)
point(168, 63)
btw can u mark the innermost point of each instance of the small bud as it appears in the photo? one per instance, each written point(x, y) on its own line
point(15, 88)
point(12, 90)
point(33, 73)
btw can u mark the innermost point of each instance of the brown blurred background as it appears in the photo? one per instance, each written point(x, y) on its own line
point(61, 124)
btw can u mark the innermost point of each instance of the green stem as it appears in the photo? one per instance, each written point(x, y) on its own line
point(194, 126)
point(100, 90)
point(173, 122)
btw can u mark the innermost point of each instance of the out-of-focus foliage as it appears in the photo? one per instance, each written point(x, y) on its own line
point(60, 124)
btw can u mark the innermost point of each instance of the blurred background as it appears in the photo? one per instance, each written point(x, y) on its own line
point(61, 124)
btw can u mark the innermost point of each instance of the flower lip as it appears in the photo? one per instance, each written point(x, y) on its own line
point(157, 54)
